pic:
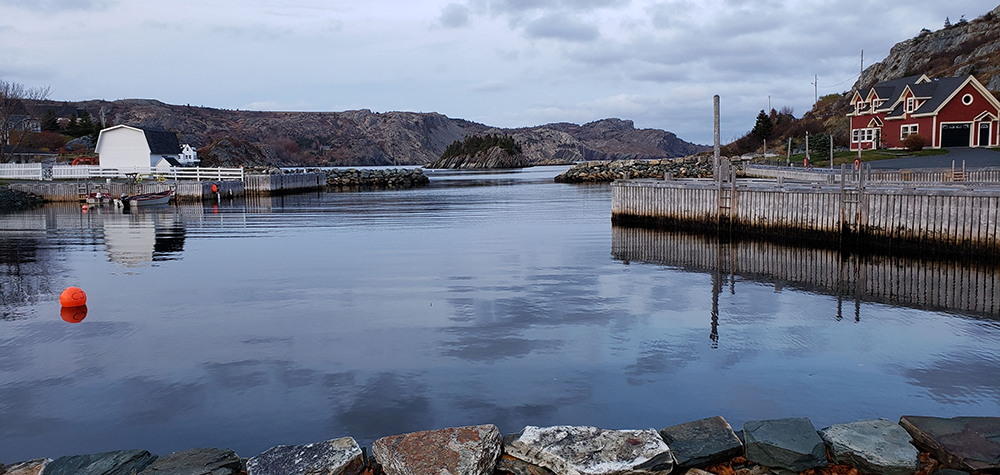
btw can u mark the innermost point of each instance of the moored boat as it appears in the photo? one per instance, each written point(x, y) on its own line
point(148, 199)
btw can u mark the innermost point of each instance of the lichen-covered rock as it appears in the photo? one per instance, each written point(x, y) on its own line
point(122, 462)
point(963, 443)
point(31, 467)
point(791, 444)
point(333, 457)
point(876, 447)
point(581, 450)
point(202, 461)
point(703, 442)
point(515, 466)
point(456, 451)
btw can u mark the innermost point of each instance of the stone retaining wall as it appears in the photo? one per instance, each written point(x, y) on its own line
point(608, 171)
point(914, 446)
point(377, 178)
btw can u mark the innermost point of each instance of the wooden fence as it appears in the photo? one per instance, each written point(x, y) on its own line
point(21, 171)
point(979, 175)
point(62, 172)
point(967, 286)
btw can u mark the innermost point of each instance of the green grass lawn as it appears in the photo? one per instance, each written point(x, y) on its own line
point(848, 157)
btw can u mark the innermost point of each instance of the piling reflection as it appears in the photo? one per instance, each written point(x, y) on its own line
point(137, 239)
point(967, 287)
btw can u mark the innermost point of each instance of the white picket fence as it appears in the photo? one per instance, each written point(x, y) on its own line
point(21, 171)
point(61, 172)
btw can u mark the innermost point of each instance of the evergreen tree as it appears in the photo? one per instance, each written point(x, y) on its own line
point(763, 129)
point(50, 123)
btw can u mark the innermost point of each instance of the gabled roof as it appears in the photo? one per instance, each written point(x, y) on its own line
point(170, 160)
point(162, 142)
point(946, 87)
point(892, 88)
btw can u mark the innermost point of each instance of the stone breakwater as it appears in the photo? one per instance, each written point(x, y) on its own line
point(14, 200)
point(915, 446)
point(376, 178)
point(602, 172)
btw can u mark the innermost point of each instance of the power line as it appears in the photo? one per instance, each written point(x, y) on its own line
point(853, 78)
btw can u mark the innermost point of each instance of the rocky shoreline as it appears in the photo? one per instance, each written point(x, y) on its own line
point(14, 200)
point(376, 178)
point(915, 446)
point(695, 166)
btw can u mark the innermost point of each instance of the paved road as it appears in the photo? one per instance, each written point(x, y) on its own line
point(974, 158)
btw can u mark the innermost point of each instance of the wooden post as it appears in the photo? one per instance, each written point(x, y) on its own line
point(831, 152)
point(788, 155)
point(715, 155)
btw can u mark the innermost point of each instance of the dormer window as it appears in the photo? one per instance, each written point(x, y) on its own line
point(910, 104)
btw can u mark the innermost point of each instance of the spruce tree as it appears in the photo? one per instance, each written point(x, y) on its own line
point(763, 129)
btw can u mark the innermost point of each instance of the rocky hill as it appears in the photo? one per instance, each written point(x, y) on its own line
point(965, 47)
point(363, 137)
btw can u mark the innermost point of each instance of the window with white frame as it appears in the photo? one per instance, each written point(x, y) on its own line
point(864, 135)
point(910, 104)
point(907, 130)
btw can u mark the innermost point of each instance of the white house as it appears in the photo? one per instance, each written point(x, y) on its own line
point(125, 147)
point(189, 156)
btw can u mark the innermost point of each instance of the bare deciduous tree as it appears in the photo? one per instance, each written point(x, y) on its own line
point(14, 115)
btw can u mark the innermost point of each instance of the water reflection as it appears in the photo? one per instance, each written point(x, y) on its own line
point(136, 239)
point(968, 287)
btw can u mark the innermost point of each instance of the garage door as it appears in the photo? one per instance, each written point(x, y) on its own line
point(956, 135)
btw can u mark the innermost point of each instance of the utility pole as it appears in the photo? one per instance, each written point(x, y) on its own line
point(831, 151)
point(805, 163)
point(815, 89)
point(769, 104)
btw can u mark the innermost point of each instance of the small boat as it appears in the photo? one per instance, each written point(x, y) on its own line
point(148, 199)
point(99, 198)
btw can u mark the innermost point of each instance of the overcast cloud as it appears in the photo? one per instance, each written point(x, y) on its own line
point(507, 63)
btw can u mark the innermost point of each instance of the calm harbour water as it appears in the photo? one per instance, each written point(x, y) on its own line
point(484, 298)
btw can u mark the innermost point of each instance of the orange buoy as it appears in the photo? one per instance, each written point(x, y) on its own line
point(73, 297)
point(73, 314)
point(84, 207)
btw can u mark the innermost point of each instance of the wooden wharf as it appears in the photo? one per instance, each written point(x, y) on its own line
point(950, 217)
point(970, 286)
point(185, 190)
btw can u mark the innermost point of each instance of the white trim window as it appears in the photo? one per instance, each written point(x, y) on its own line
point(907, 130)
point(910, 104)
point(864, 135)
point(967, 99)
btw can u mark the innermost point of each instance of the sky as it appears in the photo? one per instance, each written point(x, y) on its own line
point(506, 63)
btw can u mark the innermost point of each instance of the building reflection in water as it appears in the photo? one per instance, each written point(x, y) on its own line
point(136, 239)
point(969, 287)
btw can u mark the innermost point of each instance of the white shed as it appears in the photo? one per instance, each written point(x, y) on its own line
point(123, 147)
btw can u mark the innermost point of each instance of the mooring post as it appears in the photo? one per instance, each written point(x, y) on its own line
point(715, 155)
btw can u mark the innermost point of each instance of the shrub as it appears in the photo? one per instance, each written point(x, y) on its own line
point(915, 143)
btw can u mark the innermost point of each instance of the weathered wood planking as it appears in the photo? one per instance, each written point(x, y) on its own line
point(967, 286)
point(945, 217)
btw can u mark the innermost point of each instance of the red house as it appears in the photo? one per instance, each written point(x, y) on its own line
point(947, 112)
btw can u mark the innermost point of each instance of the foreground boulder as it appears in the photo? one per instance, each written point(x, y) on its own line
point(122, 462)
point(196, 462)
point(963, 443)
point(791, 444)
point(875, 447)
point(333, 457)
point(703, 442)
point(580, 450)
point(456, 451)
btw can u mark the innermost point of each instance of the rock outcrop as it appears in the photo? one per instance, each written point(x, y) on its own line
point(971, 47)
point(962, 443)
point(495, 157)
point(602, 172)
